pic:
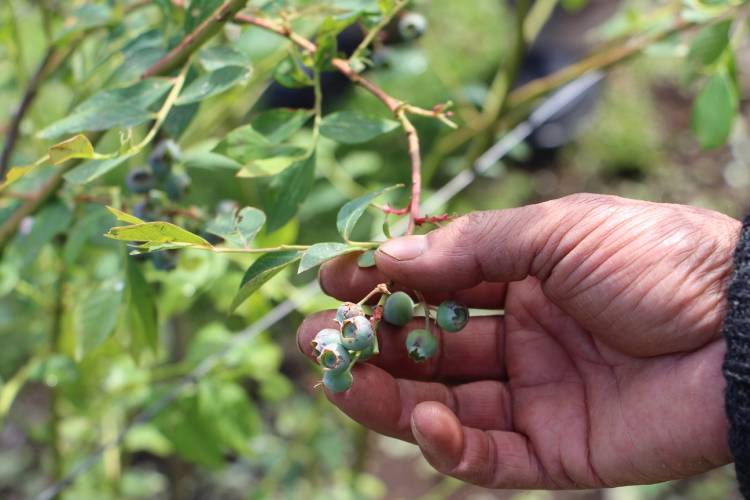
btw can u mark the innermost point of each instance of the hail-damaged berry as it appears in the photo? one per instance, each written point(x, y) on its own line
point(357, 333)
point(421, 344)
point(398, 309)
point(348, 310)
point(337, 381)
point(452, 316)
point(334, 357)
point(323, 338)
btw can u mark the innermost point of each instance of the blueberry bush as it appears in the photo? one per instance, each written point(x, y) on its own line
point(174, 171)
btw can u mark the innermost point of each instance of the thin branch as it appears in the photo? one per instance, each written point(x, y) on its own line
point(192, 42)
point(400, 4)
point(412, 139)
point(600, 60)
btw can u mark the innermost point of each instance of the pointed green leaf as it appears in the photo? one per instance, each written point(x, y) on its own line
point(351, 212)
point(367, 259)
point(288, 189)
point(238, 230)
point(714, 111)
point(123, 107)
point(95, 315)
point(266, 267)
point(222, 56)
point(710, 43)
point(322, 252)
point(213, 83)
point(156, 232)
point(352, 128)
point(278, 125)
point(140, 313)
point(76, 147)
point(93, 169)
point(124, 217)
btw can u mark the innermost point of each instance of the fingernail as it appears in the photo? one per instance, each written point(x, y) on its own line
point(433, 455)
point(405, 248)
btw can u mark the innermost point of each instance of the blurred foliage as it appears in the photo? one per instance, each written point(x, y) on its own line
point(100, 345)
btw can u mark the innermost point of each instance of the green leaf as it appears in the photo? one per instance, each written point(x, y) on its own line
point(88, 227)
point(213, 83)
point(271, 166)
point(125, 217)
point(256, 153)
point(349, 127)
point(278, 125)
point(287, 190)
point(76, 147)
point(93, 169)
point(291, 73)
point(266, 267)
point(53, 219)
point(238, 230)
point(208, 160)
point(95, 315)
point(221, 56)
point(322, 252)
point(710, 43)
point(367, 259)
point(123, 107)
point(140, 312)
point(233, 418)
point(714, 111)
point(351, 212)
point(156, 232)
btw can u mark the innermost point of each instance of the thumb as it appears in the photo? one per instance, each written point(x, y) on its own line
point(500, 246)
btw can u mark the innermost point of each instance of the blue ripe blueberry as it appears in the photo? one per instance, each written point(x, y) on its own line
point(348, 310)
point(160, 159)
point(357, 333)
point(452, 316)
point(337, 381)
point(412, 26)
point(421, 344)
point(140, 181)
point(334, 357)
point(398, 309)
point(165, 260)
point(323, 338)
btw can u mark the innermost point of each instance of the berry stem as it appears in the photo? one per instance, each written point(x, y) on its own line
point(425, 308)
point(382, 288)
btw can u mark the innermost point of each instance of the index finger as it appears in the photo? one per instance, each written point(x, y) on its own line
point(343, 279)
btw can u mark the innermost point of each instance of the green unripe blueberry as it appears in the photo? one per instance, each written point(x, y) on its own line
point(421, 344)
point(334, 357)
point(348, 310)
point(337, 382)
point(398, 309)
point(452, 316)
point(357, 333)
point(323, 338)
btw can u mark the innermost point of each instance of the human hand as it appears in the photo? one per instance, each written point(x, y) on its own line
point(605, 369)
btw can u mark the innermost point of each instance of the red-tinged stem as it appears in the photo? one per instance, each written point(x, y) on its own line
point(432, 219)
point(392, 210)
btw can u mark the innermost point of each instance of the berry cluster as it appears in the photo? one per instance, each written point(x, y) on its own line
point(158, 184)
point(338, 349)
